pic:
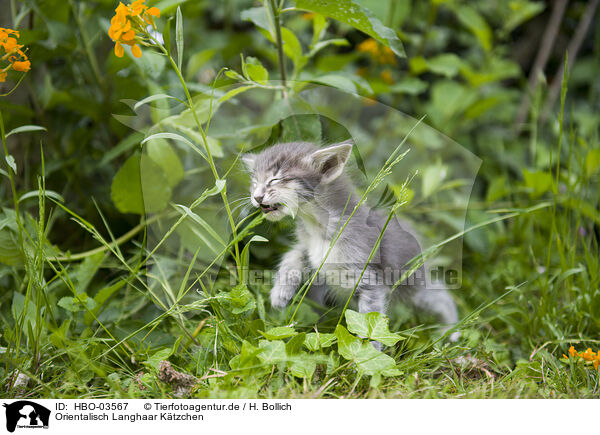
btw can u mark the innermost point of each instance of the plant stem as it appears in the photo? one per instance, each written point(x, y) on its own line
point(277, 21)
point(211, 161)
point(12, 185)
point(88, 48)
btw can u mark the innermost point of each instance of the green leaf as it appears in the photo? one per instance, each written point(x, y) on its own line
point(256, 71)
point(538, 182)
point(497, 189)
point(207, 228)
point(447, 64)
point(472, 20)
point(368, 360)
point(18, 309)
point(294, 344)
point(248, 357)
point(432, 178)
point(245, 256)
point(167, 34)
point(338, 42)
point(239, 299)
point(164, 156)
point(301, 128)
point(153, 98)
point(167, 6)
point(234, 75)
point(273, 352)
point(157, 357)
point(303, 366)
point(349, 12)
point(123, 146)
point(521, 12)
point(78, 303)
point(140, 186)
point(179, 37)
point(410, 86)
point(319, 26)
point(279, 333)
point(101, 297)
point(25, 128)
point(10, 250)
point(592, 162)
point(232, 93)
point(259, 16)
point(86, 270)
point(292, 48)
point(10, 161)
point(168, 136)
point(336, 81)
point(36, 193)
point(198, 60)
point(317, 341)
point(373, 326)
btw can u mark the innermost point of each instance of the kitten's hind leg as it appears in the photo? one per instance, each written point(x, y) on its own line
point(438, 302)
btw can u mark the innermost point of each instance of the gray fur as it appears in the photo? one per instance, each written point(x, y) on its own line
point(300, 180)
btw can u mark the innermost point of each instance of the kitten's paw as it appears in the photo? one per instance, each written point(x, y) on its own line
point(281, 296)
point(454, 337)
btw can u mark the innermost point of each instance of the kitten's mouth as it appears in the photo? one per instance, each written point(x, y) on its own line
point(269, 208)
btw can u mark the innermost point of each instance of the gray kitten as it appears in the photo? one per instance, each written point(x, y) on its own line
point(300, 180)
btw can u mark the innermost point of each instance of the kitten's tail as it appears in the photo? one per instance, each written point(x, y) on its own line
point(439, 302)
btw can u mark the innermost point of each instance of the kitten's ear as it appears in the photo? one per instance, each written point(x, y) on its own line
point(249, 160)
point(330, 161)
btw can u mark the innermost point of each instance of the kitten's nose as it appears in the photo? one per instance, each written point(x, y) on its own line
point(259, 198)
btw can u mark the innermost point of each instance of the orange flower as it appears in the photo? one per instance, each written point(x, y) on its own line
point(22, 66)
point(128, 26)
point(588, 356)
point(308, 16)
point(386, 75)
point(10, 50)
point(379, 53)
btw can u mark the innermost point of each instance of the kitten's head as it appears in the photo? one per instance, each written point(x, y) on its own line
point(285, 176)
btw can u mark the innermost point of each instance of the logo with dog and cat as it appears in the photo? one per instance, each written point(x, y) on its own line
point(24, 414)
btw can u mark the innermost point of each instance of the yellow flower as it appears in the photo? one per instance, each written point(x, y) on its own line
point(128, 26)
point(10, 50)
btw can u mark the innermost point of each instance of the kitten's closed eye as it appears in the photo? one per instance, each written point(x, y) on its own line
point(274, 181)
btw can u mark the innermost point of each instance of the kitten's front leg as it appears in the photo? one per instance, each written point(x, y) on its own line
point(288, 278)
point(372, 298)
